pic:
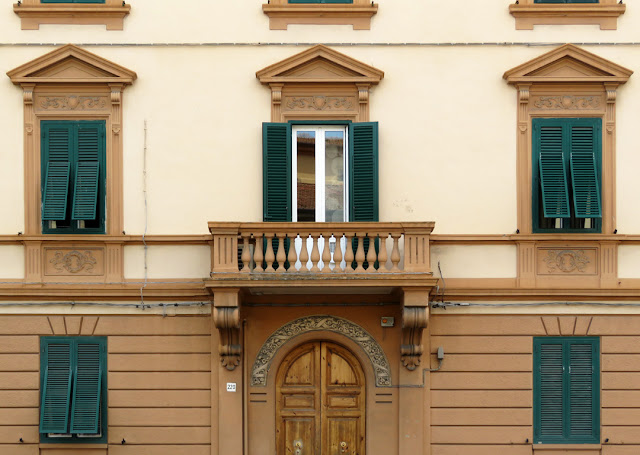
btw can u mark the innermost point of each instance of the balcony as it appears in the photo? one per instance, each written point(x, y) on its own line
point(319, 255)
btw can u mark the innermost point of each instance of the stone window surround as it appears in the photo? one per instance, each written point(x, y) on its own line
point(358, 14)
point(33, 13)
point(71, 83)
point(605, 14)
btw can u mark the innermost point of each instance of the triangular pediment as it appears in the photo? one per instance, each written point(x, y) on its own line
point(568, 63)
point(320, 64)
point(71, 64)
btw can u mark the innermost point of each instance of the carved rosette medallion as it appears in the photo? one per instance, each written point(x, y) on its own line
point(73, 261)
point(567, 102)
point(334, 324)
point(319, 103)
point(73, 102)
point(566, 261)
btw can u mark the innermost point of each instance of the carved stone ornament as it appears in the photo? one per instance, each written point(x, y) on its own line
point(414, 321)
point(73, 102)
point(227, 321)
point(354, 332)
point(319, 103)
point(73, 261)
point(567, 102)
point(566, 261)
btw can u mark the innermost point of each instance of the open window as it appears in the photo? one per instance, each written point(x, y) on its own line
point(566, 141)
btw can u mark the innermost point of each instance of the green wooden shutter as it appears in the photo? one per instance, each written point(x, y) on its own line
point(90, 139)
point(276, 168)
point(553, 173)
point(85, 412)
point(548, 399)
point(584, 171)
point(584, 389)
point(56, 362)
point(57, 140)
point(363, 171)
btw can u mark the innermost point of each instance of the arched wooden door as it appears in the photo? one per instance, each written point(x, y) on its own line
point(320, 408)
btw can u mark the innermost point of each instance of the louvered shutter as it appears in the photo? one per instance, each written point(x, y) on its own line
point(57, 140)
point(363, 171)
point(56, 386)
point(584, 171)
point(584, 389)
point(90, 139)
point(276, 168)
point(553, 172)
point(87, 388)
point(549, 386)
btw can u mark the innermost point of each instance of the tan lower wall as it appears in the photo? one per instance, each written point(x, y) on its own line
point(159, 380)
point(482, 398)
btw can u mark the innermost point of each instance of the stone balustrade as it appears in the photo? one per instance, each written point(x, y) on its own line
point(320, 248)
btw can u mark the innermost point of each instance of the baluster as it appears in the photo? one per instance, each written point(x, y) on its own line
point(304, 254)
point(360, 254)
point(269, 256)
point(382, 255)
point(246, 254)
point(337, 255)
point(371, 254)
point(257, 255)
point(281, 255)
point(292, 257)
point(326, 253)
point(395, 253)
point(315, 253)
point(348, 254)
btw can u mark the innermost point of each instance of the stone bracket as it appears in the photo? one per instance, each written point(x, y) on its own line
point(226, 318)
point(415, 318)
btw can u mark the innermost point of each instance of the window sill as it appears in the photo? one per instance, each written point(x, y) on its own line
point(604, 15)
point(66, 445)
point(573, 447)
point(280, 16)
point(33, 15)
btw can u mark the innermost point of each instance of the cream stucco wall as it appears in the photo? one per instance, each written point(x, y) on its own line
point(470, 261)
point(167, 261)
point(447, 118)
point(11, 262)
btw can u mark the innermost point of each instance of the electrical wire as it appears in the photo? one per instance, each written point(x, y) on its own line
point(531, 304)
point(146, 217)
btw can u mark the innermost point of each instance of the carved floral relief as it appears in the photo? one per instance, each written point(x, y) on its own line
point(74, 262)
point(566, 102)
point(319, 103)
point(72, 102)
point(569, 262)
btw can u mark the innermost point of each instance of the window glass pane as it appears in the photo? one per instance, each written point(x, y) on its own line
point(306, 175)
point(334, 176)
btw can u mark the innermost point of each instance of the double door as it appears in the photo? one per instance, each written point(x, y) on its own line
point(320, 402)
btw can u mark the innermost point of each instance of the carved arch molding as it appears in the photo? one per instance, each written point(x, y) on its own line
point(354, 332)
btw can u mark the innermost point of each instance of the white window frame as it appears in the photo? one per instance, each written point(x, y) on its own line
point(320, 131)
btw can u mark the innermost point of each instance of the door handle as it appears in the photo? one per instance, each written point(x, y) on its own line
point(297, 445)
point(344, 447)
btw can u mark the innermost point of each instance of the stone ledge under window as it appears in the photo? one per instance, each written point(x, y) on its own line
point(32, 15)
point(281, 15)
point(603, 14)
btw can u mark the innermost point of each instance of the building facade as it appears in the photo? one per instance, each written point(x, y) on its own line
point(319, 227)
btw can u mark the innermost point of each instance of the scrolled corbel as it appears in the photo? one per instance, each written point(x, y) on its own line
point(227, 321)
point(414, 320)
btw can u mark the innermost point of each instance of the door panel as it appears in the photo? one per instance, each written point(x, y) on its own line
point(320, 402)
